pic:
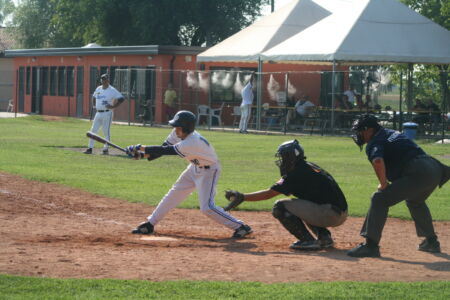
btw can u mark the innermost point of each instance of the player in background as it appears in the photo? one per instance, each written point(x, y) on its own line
point(105, 99)
point(202, 174)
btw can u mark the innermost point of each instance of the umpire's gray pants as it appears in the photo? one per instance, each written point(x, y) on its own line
point(418, 180)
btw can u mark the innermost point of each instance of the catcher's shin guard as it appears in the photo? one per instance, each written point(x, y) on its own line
point(292, 223)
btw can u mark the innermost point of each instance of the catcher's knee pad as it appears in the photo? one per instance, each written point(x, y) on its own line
point(279, 211)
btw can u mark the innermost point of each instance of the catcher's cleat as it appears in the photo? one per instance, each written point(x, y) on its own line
point(363, 250)
point(430, 246)
point(88, 151)
point(242, 231)
point(143, 228)
point(306, 245)
point(105, 152)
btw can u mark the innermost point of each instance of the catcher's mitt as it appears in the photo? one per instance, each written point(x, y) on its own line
point(235, 199)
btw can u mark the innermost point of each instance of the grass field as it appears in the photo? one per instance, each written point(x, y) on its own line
point(42, 149)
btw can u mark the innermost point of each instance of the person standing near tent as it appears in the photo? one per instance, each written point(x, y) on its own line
point(246, 105)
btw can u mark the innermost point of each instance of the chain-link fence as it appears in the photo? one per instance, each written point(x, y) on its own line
point(309, 102)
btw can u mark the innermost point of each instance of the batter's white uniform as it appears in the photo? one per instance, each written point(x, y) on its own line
point(202, 173)
point(104, 116)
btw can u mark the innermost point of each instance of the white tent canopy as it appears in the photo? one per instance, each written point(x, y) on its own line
point(345, 31)
point(249, 43)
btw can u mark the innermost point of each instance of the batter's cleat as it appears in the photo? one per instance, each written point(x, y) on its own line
point(88, 151)
point(143, 228)
point(430, 246)
point(105, 152)
point(363, 250)
point(242, 231)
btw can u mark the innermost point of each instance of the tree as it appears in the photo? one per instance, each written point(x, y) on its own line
point(6, 8)
point(439, 12)
point(30, 24)
point(65, 23)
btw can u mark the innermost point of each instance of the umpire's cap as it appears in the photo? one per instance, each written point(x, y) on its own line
point(184, 119)
point(365, 121)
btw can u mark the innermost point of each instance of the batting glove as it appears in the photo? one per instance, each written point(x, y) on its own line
point(133, 149)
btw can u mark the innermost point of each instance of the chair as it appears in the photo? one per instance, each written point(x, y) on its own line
point(316, 119)
point(217, 113)
point(10, 106)
point(203, 110)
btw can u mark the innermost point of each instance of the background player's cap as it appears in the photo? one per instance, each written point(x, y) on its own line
point(104, 77)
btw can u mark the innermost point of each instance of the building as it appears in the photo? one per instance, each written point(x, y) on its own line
point(60, 81)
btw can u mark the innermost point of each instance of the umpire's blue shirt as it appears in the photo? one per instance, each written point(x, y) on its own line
point(396, 150)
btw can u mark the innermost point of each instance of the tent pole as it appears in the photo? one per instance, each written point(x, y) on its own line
point(400, 106)
point(286, 97)
point(333, 78)
point(259, 95)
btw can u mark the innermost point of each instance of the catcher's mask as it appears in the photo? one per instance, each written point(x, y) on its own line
point(184, 119)
point(361, 124)
point(288, 154)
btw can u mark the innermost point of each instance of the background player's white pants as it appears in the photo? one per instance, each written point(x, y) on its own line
point(205, 181)
point(103, 120)
point(246, 111)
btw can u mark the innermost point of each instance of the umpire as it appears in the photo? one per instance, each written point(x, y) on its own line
point(318, 202)
point(404, 172)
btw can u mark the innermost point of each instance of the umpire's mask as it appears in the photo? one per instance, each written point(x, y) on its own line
point(288, 154)
point(362, 123)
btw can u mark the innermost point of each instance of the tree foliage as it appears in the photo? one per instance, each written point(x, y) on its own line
point(68, 23)
point(431, 82)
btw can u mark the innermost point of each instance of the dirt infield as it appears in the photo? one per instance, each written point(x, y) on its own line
point(50, 230)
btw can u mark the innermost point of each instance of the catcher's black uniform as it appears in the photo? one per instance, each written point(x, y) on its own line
point(318, 203)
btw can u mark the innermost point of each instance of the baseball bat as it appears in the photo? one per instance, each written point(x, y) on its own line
point(104, 141)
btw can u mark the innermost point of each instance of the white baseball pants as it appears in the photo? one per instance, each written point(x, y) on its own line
point(205, 180)
point(103, 120)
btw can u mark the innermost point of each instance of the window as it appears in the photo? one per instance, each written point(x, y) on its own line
point(70, 81)
point(80, 76)
point(28, 82)
point(103, 70)
point(93, 81)
point(53, 82)
point(61, 81)
point(45, 80)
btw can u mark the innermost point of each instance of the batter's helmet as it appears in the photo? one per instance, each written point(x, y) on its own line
point(184, 119)
point(288, 154)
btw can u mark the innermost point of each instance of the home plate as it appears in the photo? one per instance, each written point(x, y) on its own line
point(158, 238)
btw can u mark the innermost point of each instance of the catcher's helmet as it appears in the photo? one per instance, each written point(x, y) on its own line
point(288, 154)
point(184, 119)
point(362, 123)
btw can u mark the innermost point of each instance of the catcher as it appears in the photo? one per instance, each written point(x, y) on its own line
point(319, 202)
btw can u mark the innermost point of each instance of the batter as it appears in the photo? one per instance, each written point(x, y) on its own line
point(202, 174)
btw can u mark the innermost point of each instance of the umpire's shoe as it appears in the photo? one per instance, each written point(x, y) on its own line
point(242, 231)
point(430, 245)
point(364, 250)
point(143, 228)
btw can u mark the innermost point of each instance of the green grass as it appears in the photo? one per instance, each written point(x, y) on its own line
point(39, 150)
point(13, 287)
